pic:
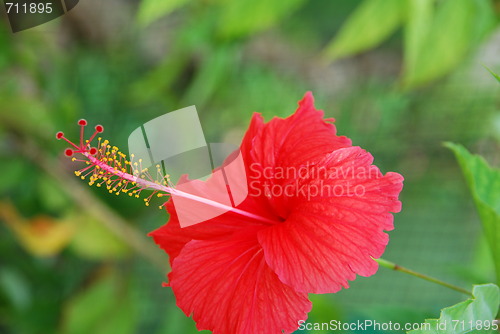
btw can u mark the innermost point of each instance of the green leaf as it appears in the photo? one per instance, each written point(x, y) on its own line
point(245, 17)
point(417, 28)
point(494, 74)
point(214, 71)
point(370, 24)
point(439, 36)
point(475, 315)
point(152, 10)
point(15, 287)
point(94, 241)
point(484, 184)
point(50, 194)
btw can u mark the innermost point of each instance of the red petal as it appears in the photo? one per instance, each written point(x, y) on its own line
point(327, 239)
point(171, 237)
point(228, 288)
point(284, 144)
point(304, 137)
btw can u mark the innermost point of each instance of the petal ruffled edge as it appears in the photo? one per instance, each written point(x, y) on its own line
point(327, 240)
point(228, 288)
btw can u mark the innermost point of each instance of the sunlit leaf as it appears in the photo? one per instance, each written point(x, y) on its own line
point(152, 10)
point(475, 315)
point(496, 76)
point(245, 17)
point(370, 24)
point(212, 74)
point(51, 195)
point(439, 35)
point(94, 241)
point(484, 184)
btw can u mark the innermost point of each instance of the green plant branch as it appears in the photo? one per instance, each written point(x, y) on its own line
point(396, 267)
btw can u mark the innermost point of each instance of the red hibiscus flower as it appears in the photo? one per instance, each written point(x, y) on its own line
point(318, 211)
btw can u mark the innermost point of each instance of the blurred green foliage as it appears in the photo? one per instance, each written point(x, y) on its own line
point(437, 34)
point(496, 76)
point(123, 63)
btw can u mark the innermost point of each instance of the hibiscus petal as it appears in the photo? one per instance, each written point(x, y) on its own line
point(330, 237)
point(171, 237)
point(288, 144)
point(228, 288)
point(301, 138)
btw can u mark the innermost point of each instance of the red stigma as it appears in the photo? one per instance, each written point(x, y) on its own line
point(83, 146)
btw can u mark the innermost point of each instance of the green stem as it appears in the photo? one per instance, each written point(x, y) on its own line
point(394, 266)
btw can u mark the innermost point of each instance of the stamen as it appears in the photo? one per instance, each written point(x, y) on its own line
point(106, 165)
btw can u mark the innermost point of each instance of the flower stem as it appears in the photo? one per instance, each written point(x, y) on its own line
point(394, 266)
